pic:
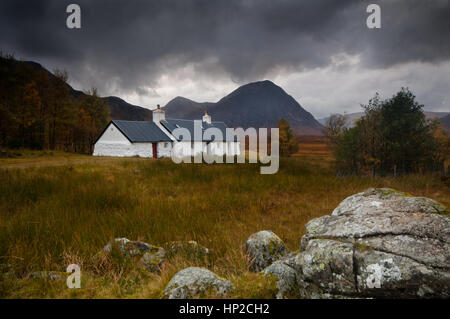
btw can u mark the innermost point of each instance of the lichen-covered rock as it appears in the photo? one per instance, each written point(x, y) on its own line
point(421, 225)
point(285, 270)
point(329, 264)
point(381, 274)
point(130, 248)
point(425, 250)
point(264, 248)
point(375, 200)
point(120, 242)
point(378, 243)
point(194, 282)
point(190, 248)
point(151, 257)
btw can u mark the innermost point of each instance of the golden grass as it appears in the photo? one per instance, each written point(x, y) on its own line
point(23, 158)
point(30, 158)
point(313, 145)
point(53, 216)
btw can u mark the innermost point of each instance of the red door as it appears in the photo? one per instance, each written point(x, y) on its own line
point(155, 150)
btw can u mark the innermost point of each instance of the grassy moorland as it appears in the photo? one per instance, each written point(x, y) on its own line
point(53, 216)
point(313, 145)
point(24, 158)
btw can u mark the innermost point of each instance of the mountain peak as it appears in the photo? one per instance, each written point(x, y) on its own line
point(256, 104)
point(180, 99)
point(265, 83)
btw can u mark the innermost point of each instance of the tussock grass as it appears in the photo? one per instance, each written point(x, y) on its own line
point(53, 216)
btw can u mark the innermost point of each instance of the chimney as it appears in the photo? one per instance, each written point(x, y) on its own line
point(158, 114)
point(207, 117)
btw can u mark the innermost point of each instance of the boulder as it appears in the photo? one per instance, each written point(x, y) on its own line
point(130, 248)
point(264, 248)
point(387, 199)
point(195, 282)
point(151, 257)
point(190, 248)
point(329, 265)
point(381, 274)
point(285, 270)
point(378, 243)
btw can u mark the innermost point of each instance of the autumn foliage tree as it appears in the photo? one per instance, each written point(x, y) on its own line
point(39, 110)
point(288, 144)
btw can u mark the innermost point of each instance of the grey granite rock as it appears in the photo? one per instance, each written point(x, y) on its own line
point(264, 248)
point(378, 243)
point(195, 282)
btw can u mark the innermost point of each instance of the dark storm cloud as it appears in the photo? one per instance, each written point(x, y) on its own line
point(128, 43)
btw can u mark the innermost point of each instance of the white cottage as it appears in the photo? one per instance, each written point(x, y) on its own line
point(156, 139)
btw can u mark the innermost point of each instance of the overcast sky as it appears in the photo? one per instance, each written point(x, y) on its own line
point(320, 52)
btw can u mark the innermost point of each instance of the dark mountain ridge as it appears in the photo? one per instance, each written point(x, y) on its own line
point(121, 110)
point(257, 104)
point(118, 108)
point(183, 108)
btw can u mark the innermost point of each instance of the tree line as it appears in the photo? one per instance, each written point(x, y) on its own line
point(39, 110)
point(392, 137)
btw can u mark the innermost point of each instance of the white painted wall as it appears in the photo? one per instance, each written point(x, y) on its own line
point(214, 148)
point(113, 135)
point(114, 143)
point(123, 150)
point(164, 149)
point(132, 149)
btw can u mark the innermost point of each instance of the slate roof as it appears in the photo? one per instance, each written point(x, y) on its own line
point(141, 131)
point(172, 124)
point(145, 131)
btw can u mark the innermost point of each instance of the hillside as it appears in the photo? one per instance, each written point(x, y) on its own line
point(39, 110)
point(183, 108)
point(118, 108)
point(121, 110)
point(258, 104)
